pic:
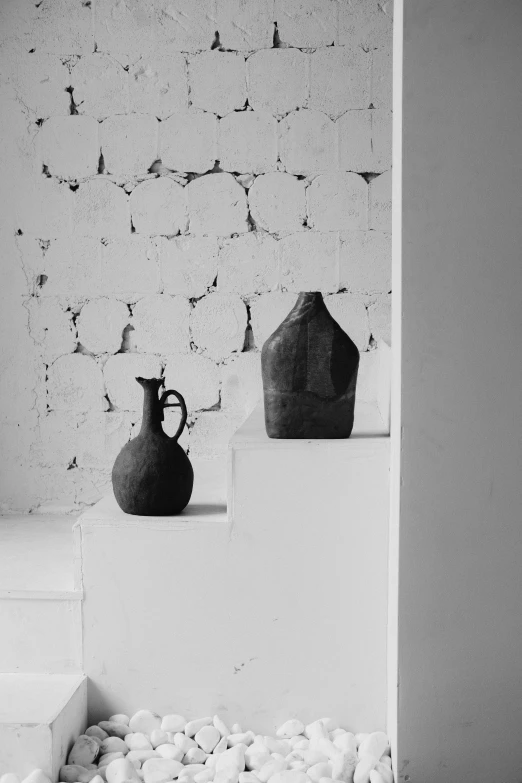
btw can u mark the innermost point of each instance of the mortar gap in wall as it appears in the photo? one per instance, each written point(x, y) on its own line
point(74, 186)
point(95, 47)
point(276, 40)
point(156, 167)
point(371, 106)
point(126, 341)
point(111, 406)
point(368, 175)
point(41, 280)
point(39, 122)
point(45, 170)
point(72, 464)
point(32, 51)
point(101, 164)
point(216, 169)
point(72, 105)
point(19, 232)
point(216, 43)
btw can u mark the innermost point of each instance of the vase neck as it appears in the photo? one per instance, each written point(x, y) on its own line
point(152, 410)
point(309, 303)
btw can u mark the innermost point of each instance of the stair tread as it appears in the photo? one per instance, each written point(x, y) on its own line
point(35, 698)
point(36, 553)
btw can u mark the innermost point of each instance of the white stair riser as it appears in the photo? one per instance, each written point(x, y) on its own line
point(44, 635)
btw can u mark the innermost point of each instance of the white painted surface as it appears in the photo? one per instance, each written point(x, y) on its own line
point(281, 612)
point(39, 716)
point(460, 589)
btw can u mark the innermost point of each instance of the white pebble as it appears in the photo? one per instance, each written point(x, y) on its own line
point(184, 742)
point(108, 757)
point(36, 776)
point(254, 758)
point(193, 726)
point(139, 756)
point(114, 745)
point(314, 757)
point(376, 777)
point(120, 718)
point(343, 766)
point(291, 728)
point(316, 729)
point(221, 746)
point(9, 777)
point(212, 761)
point(271, 768)
point(221, 726)
point(303, 744)
point(207, 738)
point(227, 776)
point(330, 724)
point(385, 759)
point(84, 751)
point(298, 764)
point(173, 723)
point(97, 779)
point(204, 776)
point(114, 729)
point(144, 721)
point(321, 770)
point(246, 777)
point(138, 741)
point(373, 745)
point(336, 733)
point(346, 742)
point(290, 776)
point(161, 770)
point(324, 746)
point(246, 737)
point(236, 729)
point(168, 751)
point(194, 756)
point(361, 736)
point(385, 772)
point(95, 731)
point(292, 741)
point(277, 746)
point(231, 759)
point(121, 770)
point(158, 737)
point(363, 769)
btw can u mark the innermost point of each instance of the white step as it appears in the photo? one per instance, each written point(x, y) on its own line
point(279, 609)
point(40, 603)
point(40, 716)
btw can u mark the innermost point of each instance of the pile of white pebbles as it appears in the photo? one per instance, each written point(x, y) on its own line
point(152, 749)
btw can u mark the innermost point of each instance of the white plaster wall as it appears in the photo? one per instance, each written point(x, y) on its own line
point(163, 202)
point(460, 591)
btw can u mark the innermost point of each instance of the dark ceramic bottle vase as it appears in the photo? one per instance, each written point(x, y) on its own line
point(309, 367)
point(152, 475)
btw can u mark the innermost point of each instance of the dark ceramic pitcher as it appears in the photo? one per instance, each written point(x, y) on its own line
point(152, 474)
point(309, 367)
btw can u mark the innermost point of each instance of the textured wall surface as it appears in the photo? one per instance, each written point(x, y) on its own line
point(174, 172)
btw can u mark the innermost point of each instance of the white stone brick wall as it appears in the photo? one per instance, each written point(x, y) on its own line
point(175, 172)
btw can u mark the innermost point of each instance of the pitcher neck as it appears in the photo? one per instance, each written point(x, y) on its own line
point(309, 303)
point(152, 410)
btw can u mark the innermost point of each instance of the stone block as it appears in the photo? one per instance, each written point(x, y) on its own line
point(125, 29)
point(161, 324)
point(217, 205)
point(339, 80)
point(355, 141)
point(241, 384)
point(195, 377)
point(158, 84)
point(129, 267)
point(366, 23)
point(338, 202)
point(351, 315)
point(245, 26)
point(129, 144)
point(188, 264)
point(267, 312)
point(309, 262)
point(51, 327)
point(382, 78)
point(365, 261)
point(308, 143)
point(278, 203)
point(100, 86)
point(247, 142)
point(277, 80)
point(382, 139)
point(188, 141)
point(186, 26)
point(159, 206)
point(39, 80)
point(75, 383)
point(307, 23)
point(217, 81)
point(69, 146)
point(101, 209)
point(45, 211)
point(368, 377)
point(379, 313)
point(248, 264)
point(381, 202)
point(211, 433)
point(101, 323)
point(21, 368)
point(218, 323)
point(120, 372)
point(61, 27)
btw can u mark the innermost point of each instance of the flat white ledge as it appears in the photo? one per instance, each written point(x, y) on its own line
point(34, 699)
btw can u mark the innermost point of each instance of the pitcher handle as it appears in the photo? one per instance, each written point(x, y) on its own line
point(181, 404)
